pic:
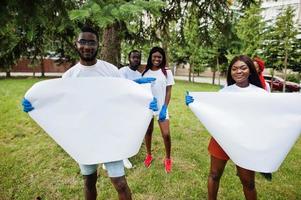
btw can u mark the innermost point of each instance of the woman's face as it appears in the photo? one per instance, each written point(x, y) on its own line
point(157, 59)
point(240, 72)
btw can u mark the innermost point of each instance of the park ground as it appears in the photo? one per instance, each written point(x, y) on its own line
point(32, 165)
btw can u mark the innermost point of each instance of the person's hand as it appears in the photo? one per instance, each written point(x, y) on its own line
point(153, 105)
point(162, 114)
point(144, 80)
point(188, 99)
point(27, 107)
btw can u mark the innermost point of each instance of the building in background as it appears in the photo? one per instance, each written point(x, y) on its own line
point(272, 8)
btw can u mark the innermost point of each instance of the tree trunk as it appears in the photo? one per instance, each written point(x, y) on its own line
point(164, 35)
point(190, 70)
point(285, 70)
point(213, 76)
point(218, 71)
point(193, 75)
point(214, 72)
point(42, 67)
point(273, 71)
point(111, 44)
point(8, 75)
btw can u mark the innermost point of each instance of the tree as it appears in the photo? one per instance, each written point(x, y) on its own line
point(114, 17)
point(42, 26)
point(282, 40)
point(250, 30)
point(295, 63)
point(155, 25)
point(32, 28)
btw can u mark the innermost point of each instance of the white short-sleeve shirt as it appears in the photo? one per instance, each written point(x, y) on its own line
point(128, 73)
point(235, 88)
point(100, 68)
point(160, 84)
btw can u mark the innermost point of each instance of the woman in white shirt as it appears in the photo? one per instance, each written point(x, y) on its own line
point(241, 77)
point(161, 89)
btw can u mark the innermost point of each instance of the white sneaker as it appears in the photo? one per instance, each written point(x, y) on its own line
point(127, 164)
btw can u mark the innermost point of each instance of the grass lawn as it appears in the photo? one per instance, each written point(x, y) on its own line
point(32, 164)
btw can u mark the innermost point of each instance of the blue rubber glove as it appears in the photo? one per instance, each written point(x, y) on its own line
point(144, 80)
point(188, 99)
point(27, 107)
point(162, 114)
point(153, 105)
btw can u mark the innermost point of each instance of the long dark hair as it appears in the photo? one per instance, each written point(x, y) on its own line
point(149, 60)
point(253, 78)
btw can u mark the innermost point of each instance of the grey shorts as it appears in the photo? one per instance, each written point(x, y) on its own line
point(114, 169)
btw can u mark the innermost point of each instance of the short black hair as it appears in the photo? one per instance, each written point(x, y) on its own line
point(89, 29)
point(134, 51)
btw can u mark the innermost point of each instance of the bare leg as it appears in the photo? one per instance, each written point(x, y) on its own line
point(217, 167)
point(148, 138)
point(90, 186)
point(121, 186)
point(165, 132)
point(247, 179)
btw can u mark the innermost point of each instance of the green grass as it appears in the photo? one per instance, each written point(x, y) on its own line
point(32, 165)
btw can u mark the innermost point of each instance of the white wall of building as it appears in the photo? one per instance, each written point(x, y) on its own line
point(272, 8)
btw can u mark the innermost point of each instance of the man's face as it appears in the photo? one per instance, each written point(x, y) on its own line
point(87, 46)
point(135, 59)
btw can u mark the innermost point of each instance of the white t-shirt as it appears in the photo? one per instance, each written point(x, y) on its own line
point(268, 89)
point(235, 88)
point(101, 68)
point(160, 84)
point(128, 73)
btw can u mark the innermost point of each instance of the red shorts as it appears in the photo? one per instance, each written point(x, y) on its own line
point(216, 150)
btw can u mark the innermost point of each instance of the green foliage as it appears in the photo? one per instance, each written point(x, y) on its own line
point(295, 61)
point(105, 13)
point(250, 30)
point(33, 28)
point(199, 32)
point(293, 78)
point(202, 40)
point(281, 40)
point(119, 21)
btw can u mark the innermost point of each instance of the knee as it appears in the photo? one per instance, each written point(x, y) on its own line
point(121, 186)
point(215, 176)
point(248, 184)
point(166, 135)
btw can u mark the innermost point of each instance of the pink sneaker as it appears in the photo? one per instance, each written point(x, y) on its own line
point(148, 160)
point(167, 165)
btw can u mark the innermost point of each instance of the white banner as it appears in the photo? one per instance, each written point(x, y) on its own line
point(94, 120)
point(256, 130)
